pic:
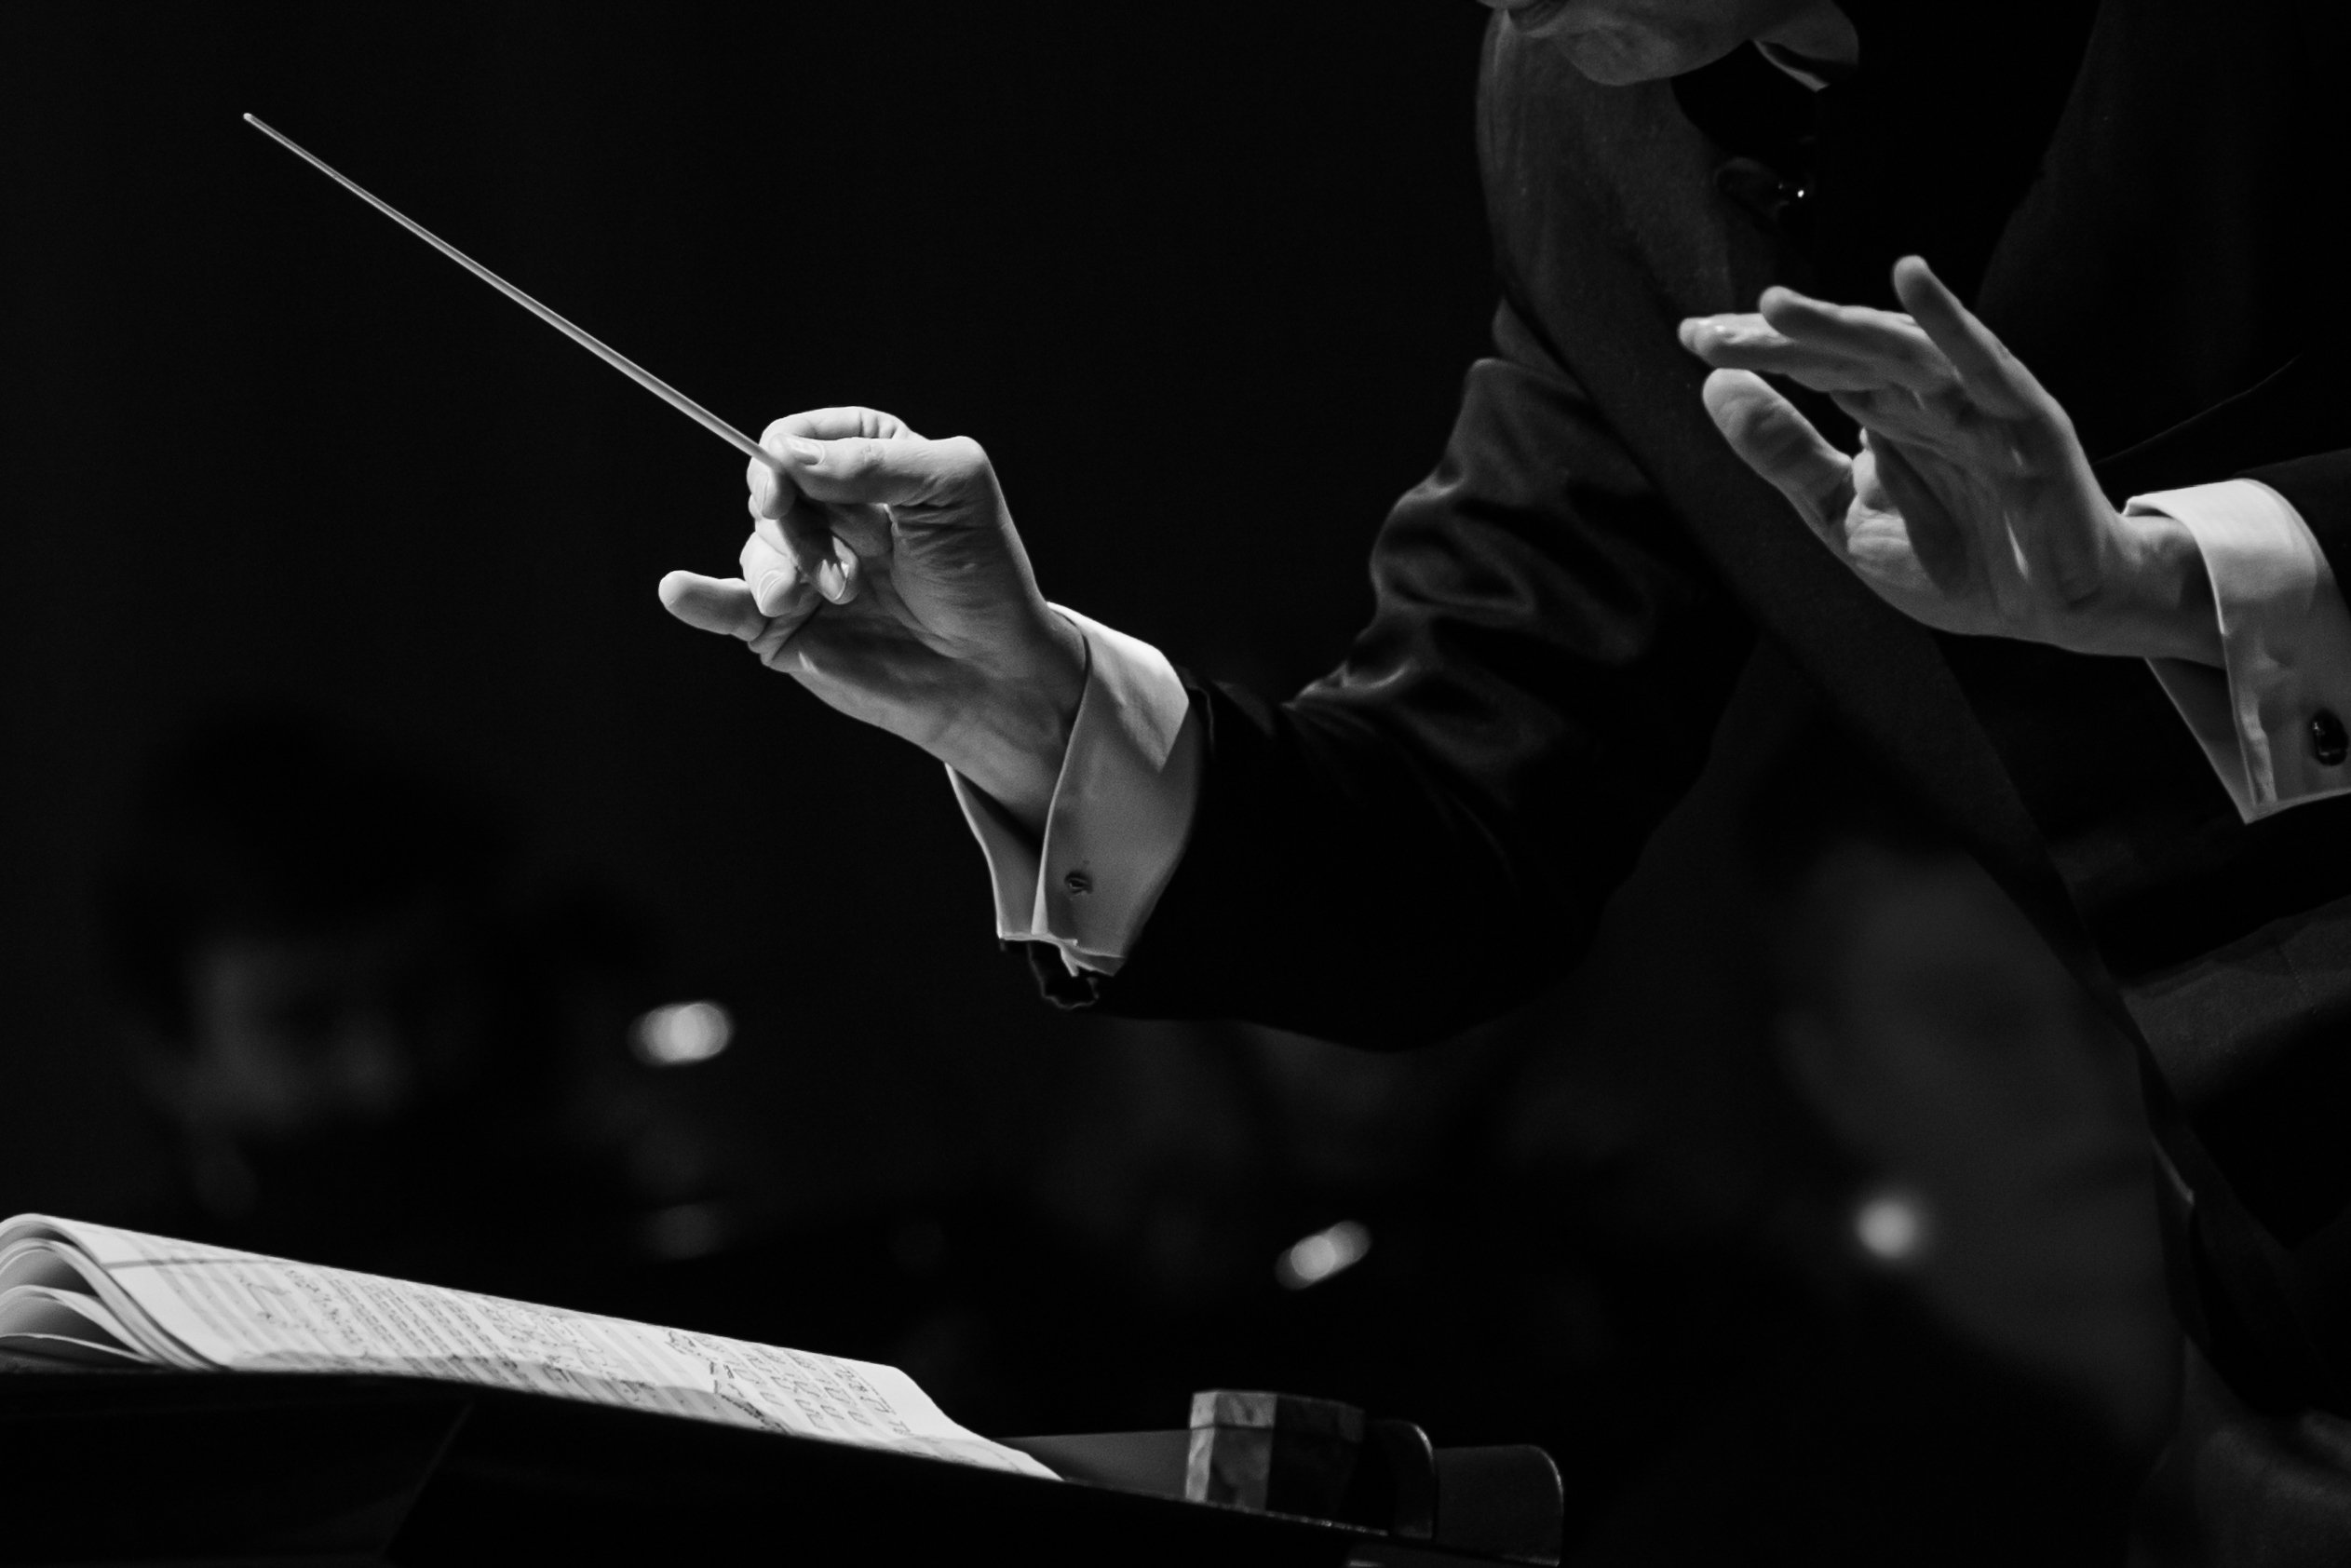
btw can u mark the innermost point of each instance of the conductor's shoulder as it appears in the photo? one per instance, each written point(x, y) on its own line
point(1538, 118)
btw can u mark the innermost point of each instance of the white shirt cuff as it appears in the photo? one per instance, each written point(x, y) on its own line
point(2271, 720)
point(1121, 810)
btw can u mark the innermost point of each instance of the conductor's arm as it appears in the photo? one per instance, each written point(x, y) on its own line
point(1972, 507)
point(1415, 843)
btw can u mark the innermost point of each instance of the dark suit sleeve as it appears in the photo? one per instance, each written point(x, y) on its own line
point(2317, 411)
point(2319, 488)
point(2288, 432)
point(1420, 839)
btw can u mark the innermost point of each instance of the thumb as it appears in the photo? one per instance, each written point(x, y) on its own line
point(720, 605)
point(1779, 443)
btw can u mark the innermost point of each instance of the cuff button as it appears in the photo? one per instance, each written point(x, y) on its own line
point(2329, 744)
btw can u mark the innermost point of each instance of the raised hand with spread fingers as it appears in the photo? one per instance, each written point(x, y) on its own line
point(1972, 506)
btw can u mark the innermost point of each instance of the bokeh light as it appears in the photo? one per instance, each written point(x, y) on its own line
point(1313, 1259)
point(1891, 1226)
point(681, 1033)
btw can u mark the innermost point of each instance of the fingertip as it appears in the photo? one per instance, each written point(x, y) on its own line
point(711, 603)
point(1714, 338)
point(794, 452)
point(771, 494)
point(1727, 389)
point(1914, 281)
point(848, 573)
point(1741, 403)
point(674, 588)
point(1770, 434)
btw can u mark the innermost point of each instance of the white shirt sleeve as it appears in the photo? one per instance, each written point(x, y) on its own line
point(2272, 721)
point(1121, 810)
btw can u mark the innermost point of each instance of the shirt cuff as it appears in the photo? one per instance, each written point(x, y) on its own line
point(2270, 721)
point(1121, 810)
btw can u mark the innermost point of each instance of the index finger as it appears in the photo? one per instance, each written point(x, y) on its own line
point(838, 424)
point(772, 494)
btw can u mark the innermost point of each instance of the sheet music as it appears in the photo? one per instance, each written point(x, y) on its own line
point(246, 1312)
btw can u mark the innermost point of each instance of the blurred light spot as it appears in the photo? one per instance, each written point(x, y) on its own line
point(1891, 1226)
point(1314, 1258)
point(680, 1033)
point(685, 1230)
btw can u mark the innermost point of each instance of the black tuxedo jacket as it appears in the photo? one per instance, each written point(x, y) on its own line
point(2135, 195)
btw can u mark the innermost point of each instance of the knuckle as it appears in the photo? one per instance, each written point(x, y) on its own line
point(852, 457)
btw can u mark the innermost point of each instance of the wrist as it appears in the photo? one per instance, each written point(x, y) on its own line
point(2176, 616)
point(1012, 733)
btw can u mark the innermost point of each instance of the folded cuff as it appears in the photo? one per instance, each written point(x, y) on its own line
point(1121, 810)
point(2271, 721)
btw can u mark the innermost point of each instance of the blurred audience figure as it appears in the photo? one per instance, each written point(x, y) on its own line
point(366, 1041)
point(1992, 1367)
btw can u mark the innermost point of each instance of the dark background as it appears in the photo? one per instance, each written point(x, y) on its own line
point(1203, 279)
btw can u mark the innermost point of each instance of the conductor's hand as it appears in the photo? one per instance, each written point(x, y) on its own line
point(1970, 506)
point(885, 576)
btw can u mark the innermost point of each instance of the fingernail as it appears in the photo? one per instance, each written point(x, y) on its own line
point(804, 451)
point(832, 582)
point(770, 496)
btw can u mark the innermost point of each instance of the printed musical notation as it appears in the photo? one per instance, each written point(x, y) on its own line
point(200, 1306)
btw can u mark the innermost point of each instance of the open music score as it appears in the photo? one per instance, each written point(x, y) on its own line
point(93, 1294)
